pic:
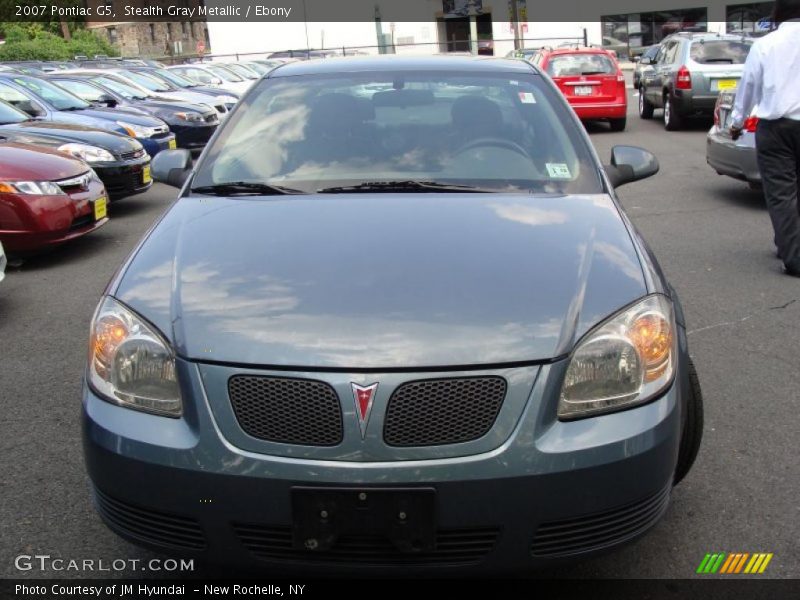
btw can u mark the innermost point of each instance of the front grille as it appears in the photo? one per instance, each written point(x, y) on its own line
point(132, 155)
point(288, 411)
point(452, 547)
point(600, 530)
point(122, 184)
point(150, 526)
point(433, 412)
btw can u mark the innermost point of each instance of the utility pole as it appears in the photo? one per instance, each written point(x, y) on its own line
point(379, 31)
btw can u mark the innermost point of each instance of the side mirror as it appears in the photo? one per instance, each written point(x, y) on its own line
point(216, 81)
point(645, 60)
point(629, 163)
point(172, 167)
point(636, 59)
point(107, 100)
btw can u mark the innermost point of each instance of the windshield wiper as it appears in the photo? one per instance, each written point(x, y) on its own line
point(403, 186)
point(245, 188)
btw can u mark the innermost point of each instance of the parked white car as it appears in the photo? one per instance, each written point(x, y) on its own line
point(214, 75)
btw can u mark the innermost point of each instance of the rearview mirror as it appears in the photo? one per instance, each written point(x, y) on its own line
point(172, 167)
point(107, 100)
point(630, 163)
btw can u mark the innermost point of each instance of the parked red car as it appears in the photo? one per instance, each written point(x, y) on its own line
point(46, 198)
point(591, 80)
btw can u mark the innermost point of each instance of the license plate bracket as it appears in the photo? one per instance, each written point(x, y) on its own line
point(727, 84)
point(406, 517)
point(583, 90)
point(146, 176)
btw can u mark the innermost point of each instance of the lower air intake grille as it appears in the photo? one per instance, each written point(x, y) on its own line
point(148, 525)
point(433, 412)
point(452, 547)
point(593, 532)
point(288, 411)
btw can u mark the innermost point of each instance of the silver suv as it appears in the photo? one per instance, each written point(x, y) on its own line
point(688, 73)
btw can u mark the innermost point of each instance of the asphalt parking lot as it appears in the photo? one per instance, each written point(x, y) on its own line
point(714, 240)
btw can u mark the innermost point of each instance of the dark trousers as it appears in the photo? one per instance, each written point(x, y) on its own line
point(778, 144)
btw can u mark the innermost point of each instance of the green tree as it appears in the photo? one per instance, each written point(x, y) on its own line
point(34, 41)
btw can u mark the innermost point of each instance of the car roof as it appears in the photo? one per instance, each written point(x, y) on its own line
point(350, 64)
point(573, 50)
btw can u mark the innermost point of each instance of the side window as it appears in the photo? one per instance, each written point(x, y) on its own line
point(21, 101)
point(672, 53)
point(660, 56)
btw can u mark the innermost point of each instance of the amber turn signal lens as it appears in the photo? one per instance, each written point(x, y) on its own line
point(652, 336)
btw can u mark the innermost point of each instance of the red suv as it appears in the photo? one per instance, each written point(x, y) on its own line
point(591, 80)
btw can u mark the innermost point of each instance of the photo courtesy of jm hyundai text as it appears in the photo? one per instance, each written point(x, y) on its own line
point(397, 320)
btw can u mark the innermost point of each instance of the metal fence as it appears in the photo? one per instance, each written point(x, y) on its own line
point(481, 47)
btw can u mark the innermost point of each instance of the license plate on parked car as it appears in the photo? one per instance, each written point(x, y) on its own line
point(146, 177)
point(727, 84)
point(583, 90)
point(172, 144)
point(100, 208)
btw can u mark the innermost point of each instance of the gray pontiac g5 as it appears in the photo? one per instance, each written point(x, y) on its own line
point(397, 318)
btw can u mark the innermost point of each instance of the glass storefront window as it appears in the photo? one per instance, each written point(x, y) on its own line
point(630, 34)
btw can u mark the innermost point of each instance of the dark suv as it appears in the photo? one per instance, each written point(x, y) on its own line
point(689, 72)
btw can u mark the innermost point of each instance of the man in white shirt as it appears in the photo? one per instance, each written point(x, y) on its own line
point(771, 82)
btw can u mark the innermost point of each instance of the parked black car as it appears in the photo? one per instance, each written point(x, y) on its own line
point(120, 161)
point(110, 91)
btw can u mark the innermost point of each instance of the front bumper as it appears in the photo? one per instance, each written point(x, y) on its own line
point(193, 137)
point(124, 178)
point(737, 159)
point(551, 492)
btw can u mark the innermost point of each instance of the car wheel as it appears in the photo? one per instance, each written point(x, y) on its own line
point(692, 432)
point(646, 107)
point(618, 124)
point(672, 120)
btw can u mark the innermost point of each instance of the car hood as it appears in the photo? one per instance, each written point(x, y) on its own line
point(170, 105)
point(185, 97)
point(54, 134)
point(105, 118)
point(23, 162)
point(382, 281)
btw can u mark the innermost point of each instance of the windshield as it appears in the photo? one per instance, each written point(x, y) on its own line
point(241, 71)
point(174, 78)
point(147, 82)
point(9, 114)
point(54, 95)
point(565, 65)
point(123, 89)
point(257, 67)
point(730, 52)
point(82, 89)
point(504, 132)
point(224, 73)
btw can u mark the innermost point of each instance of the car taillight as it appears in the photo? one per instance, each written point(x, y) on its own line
point(684, 81)
point(716, 115)
point(750, 124)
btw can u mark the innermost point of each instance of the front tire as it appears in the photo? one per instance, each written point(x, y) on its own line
point(672, 119)
point(646, 107)
point(692, 431)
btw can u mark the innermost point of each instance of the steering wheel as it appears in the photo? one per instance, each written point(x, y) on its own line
point(492, 142)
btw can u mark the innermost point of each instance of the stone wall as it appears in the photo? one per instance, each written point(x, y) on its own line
point(153, 40)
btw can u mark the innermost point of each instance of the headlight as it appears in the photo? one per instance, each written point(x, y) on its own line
point(626, 361)
point(137, 131)
point(38, 188)
point(130, 364)
point(190, 116)
point(88, 153)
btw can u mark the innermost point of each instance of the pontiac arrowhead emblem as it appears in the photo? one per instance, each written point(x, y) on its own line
point(363, 396)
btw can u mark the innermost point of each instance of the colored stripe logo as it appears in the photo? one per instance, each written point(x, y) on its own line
point(734, 563)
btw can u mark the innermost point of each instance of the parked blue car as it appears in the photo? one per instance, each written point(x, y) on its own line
point(184, 119)
point(46, 101)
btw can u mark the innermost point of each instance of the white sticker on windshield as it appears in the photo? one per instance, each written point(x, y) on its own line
point(527, 98)
point(558, 171)
point(514, 82)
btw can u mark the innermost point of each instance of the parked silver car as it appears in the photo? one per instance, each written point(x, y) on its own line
point(735, 159)
point(689, 72)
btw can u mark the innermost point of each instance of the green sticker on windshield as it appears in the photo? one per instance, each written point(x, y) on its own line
point(558, 171)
